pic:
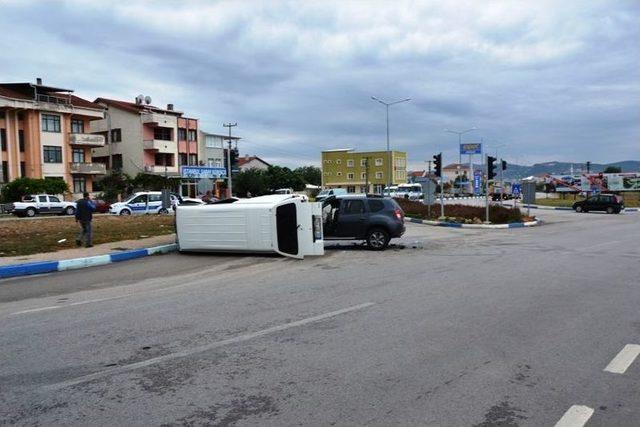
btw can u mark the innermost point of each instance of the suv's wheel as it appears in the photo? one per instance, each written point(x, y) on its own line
point(578, 208)
point(126, 212)
point(70, 211)
point(610, 210)
point(30, 212)
point(377, 239)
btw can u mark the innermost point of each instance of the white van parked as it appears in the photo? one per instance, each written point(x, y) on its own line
point(283, 224)
point(409, 191)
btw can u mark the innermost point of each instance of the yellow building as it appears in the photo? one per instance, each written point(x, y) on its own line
point(362, 172)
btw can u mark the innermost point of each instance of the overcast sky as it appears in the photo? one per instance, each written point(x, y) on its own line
point(546, 80)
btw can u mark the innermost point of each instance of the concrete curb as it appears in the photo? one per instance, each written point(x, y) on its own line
point(16, 270)
point(566, 208)
point(476, 226)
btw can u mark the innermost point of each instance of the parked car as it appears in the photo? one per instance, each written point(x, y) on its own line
point(374, 219)
point(409, 191)
point(35, 204)
point(284, 191)
point(145, 202)
point(101, 206)
point(609, 203)
point(328, 192)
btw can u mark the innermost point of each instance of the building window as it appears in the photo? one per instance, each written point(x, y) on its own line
point(23, 169)
point(378, 162)
point(3, 139)
point(50, 123)
point(182, 159)
point(378, 175)
point(400, 162)
point(363, 175)
point(162, 159)
point(21, 140)
point(77, 126)
point(350, 175)
point(79, 184)
point(193, 135)
point(338, 173)
point(400, 174)
point(77, 156)
point(214, 162)
point(116, 162)
point(363, 162)
point(182, 134)
point(193, 159)
point(163, 134)
point(116, 135)
point(213, 142)
point(350, 163)
point(338, 161)
point(352, 189)
point(5, 171)
point(52, 154)
point(328, 173)
point(2, 115)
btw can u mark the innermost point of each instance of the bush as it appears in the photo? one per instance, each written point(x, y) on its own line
point(16, 189)
point(462, 213)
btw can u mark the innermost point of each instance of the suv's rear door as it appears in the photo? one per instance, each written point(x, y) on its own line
point(55, 205)
point(42, 203)
point(352, 219)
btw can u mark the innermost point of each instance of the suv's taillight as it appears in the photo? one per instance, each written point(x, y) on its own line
point(398, 213)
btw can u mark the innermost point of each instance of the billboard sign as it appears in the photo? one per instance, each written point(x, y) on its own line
point(475, 148)
point(201, 172)
point(595, 182)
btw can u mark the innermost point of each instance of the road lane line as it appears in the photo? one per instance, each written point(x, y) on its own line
point(624, 359)
point(576, 416)
point(201, 349)
point(55, 307)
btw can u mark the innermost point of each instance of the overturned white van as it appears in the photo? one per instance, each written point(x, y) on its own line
point(285, 224)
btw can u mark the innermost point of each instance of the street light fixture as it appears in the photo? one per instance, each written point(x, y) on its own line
point(387, 105)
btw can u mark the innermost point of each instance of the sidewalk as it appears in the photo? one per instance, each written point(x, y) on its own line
point(102, 249)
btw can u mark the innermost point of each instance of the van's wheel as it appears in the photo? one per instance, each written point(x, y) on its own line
point(578, 209)
point(70, 211)
point(377, 239)
point(610, 210)
point(125, 212)
point(30, 212)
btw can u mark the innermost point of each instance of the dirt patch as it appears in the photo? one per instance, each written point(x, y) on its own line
point(27, 236)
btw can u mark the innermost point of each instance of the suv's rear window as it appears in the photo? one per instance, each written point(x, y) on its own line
point(376, 205)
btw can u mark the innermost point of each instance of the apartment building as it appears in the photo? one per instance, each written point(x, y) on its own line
point(44, 133)
point(212, 148)
point(362, 172)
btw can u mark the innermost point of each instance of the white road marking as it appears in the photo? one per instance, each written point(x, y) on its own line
point(201, 349)
point(576, 416)
point(55, 307)
point(624, 359)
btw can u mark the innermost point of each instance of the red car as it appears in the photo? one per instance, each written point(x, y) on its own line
point(101, 206)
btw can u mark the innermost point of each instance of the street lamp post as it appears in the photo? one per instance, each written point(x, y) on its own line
point(460, 133)
point(387, 105)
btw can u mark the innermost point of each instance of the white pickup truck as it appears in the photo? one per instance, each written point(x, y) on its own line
point(35, 204)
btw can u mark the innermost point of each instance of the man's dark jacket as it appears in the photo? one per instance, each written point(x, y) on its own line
point(84, 210)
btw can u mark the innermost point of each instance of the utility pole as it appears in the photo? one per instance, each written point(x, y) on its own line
point(366, 175)
point(424, 195)
point(229, 186)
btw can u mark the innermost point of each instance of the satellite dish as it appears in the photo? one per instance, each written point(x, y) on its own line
point(147, 100)
point(139, 99)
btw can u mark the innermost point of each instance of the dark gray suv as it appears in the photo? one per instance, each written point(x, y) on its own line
point(373, 219)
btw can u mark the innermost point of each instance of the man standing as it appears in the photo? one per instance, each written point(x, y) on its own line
point(84, 214)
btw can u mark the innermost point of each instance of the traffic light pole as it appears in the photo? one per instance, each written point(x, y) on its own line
point(229, 186)
point(486, 190)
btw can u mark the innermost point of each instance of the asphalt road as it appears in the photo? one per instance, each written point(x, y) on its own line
point(451, 327)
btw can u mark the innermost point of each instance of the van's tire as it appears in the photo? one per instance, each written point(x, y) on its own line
point(578, 209)
point(610, 210)
point(125, 212)
point(70, 210)
point(378, 239)
point(30, 212)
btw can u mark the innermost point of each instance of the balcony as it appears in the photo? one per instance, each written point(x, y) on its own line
point(160, 146)
point(86, 139)
point(161, 170)
point(155, 119)
point(88, 168)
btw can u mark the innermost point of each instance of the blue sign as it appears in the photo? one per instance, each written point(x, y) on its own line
point(516, 189)
point(477, 181)
point(475, 148)
point(202, 172)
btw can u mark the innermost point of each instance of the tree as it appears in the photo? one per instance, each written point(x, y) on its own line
point(282, 177)
point(20, 187)
point(310, 174)
point(254, 181)
point(113, 184)
point(613, 169)
point(151, 182)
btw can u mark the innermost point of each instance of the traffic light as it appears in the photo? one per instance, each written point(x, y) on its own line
point(504, 165)
point(437, 163)
point(491, 167)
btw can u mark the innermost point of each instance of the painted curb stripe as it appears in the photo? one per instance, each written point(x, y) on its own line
point(26, 269)
point(476, 226)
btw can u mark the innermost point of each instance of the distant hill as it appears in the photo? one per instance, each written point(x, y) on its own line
point(560, 168)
